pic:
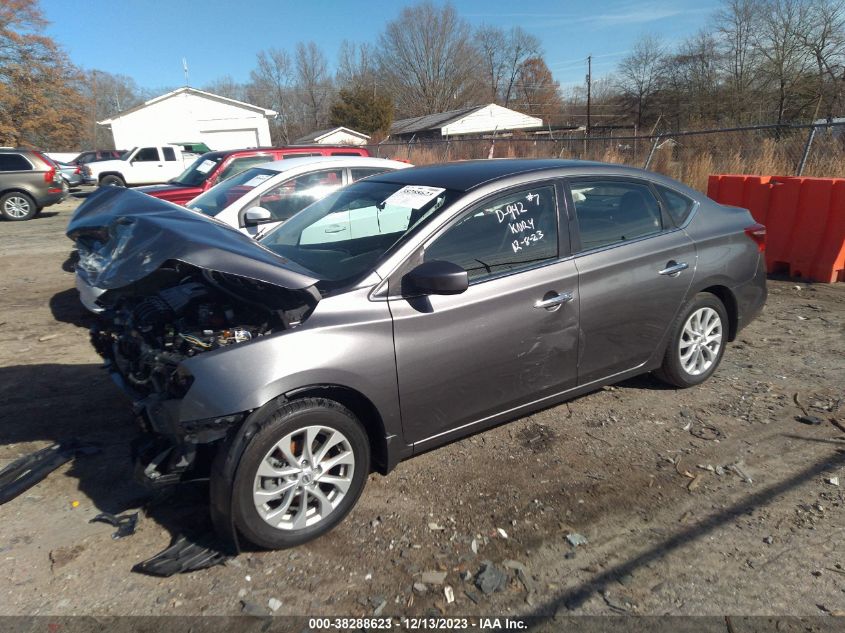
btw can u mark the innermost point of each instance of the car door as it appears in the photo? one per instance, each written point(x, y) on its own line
point(511, 338)
point(147, 167)
point(634, 272)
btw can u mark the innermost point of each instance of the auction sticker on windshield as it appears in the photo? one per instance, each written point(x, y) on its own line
point(257, 180)
point(205, 166)
point(413, 196)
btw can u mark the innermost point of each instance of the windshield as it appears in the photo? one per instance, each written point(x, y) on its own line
point(225, 193)
point(344, 235)
point(198, 172)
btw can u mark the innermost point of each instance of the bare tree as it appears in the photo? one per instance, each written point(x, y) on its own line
point(312, 82)
point(503, 54)
point(427, 58)
point(270, 86)
point(824, 38)
point(785, 60)
point(226, 86)
point(736, 22)
point(639, 73)
point(356, 64)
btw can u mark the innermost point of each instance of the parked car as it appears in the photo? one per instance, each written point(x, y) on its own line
point(29, 181)
point(461, 296)
point(98, 154)
point(72, 174)
point(139, 166)
point(214, 167)
point(260, 198)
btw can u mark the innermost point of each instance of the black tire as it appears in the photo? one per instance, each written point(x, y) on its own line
point(287, 419)
point(17, 206)
point(112, 180)
point(672, 370)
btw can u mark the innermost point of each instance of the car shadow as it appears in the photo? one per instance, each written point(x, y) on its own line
point(66, 308)
point(58, 403)
point(577, 596)
point(44, 215)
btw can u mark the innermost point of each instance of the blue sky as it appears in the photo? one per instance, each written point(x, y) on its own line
point(147, 39)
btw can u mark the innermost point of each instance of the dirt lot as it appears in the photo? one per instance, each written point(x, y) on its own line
point(646, 474)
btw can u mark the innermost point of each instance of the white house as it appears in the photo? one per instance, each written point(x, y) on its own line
point(475, 120)
point(191, 115)
point(335, 136)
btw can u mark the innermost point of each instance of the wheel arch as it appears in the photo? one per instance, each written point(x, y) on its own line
point(110, 173)
point(363, 409)
point(726, 296)
point(29, 194)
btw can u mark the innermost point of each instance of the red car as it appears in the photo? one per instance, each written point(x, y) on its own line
point(212, 167)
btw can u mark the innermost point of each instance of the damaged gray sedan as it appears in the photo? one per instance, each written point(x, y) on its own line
point(397, 314)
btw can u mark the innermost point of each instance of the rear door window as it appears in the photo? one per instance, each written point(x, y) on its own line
point(364, 172)
point(14, 162)
point(677, 205)
point(169, 154)
point(237, 165)
point(614, 211)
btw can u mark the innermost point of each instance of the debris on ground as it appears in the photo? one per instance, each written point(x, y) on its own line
point(435, 528)
point(576, 539)
point(420, 587)
point(182, 556)
point(125, 523)
point(739, 469)
point(833, 481)
point(707, 432)
point(433, 577)
point(449, 593)
point(274, 603)
point(502, 533)
point(23, 473)
point(809, 420)
point(490, 579)
point(379, 608)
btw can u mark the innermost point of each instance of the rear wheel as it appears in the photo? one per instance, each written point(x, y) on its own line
point(301, 474)
point(17, 206)
point(697, 344)
point(112, 181)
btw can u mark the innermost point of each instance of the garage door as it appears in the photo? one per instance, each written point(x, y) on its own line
point(231, 139)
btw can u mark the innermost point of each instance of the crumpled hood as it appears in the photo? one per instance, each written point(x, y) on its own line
point(123, 235)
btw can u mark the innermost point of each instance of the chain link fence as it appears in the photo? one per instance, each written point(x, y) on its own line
point(688, 156)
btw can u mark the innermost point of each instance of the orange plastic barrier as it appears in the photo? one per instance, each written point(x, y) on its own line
point(804, 218)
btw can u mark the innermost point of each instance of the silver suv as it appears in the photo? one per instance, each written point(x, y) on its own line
point(399, 313)
point(29, 181)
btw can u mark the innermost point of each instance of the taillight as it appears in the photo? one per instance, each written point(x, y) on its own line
point(50, 174)
point(757, 232)
point(77, 170)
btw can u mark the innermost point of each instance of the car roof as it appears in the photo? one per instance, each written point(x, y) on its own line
point(467, 175)
point(288, 164)
point(293, 149)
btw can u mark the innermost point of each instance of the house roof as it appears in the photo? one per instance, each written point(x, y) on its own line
point(430, 121)
point(200, 93)
point(318, 135)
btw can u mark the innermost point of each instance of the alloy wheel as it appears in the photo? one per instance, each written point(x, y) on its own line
point(700, 342)
point(17, 207)
point(303, 478)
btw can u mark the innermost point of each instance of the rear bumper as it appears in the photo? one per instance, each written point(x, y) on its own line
point(53, 198)
point(751, 296)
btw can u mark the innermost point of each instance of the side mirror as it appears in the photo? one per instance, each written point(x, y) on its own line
point(435, 278)
point(257, 215)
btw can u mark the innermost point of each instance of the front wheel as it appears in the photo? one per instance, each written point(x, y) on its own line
point(698, 342)
point(301, 474)
point(17, 206)
point(112, 181)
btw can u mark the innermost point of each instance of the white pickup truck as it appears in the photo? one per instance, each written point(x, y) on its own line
point(140, 166)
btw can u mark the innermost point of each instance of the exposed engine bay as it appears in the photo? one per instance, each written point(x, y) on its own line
point(179, 311)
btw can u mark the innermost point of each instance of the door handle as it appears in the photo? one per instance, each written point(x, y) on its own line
point(554, 301)
point(337, 228)
point(673, 268)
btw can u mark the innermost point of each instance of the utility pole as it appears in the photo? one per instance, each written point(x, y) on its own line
point(94, 122)
point(589, 88)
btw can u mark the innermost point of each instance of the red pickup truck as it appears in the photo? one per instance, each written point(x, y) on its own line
point(212, 167)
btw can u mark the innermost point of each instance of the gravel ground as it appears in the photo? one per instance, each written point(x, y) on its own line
point(711, 500)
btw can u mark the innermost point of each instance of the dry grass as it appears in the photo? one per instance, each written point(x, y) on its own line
point(690, 159)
